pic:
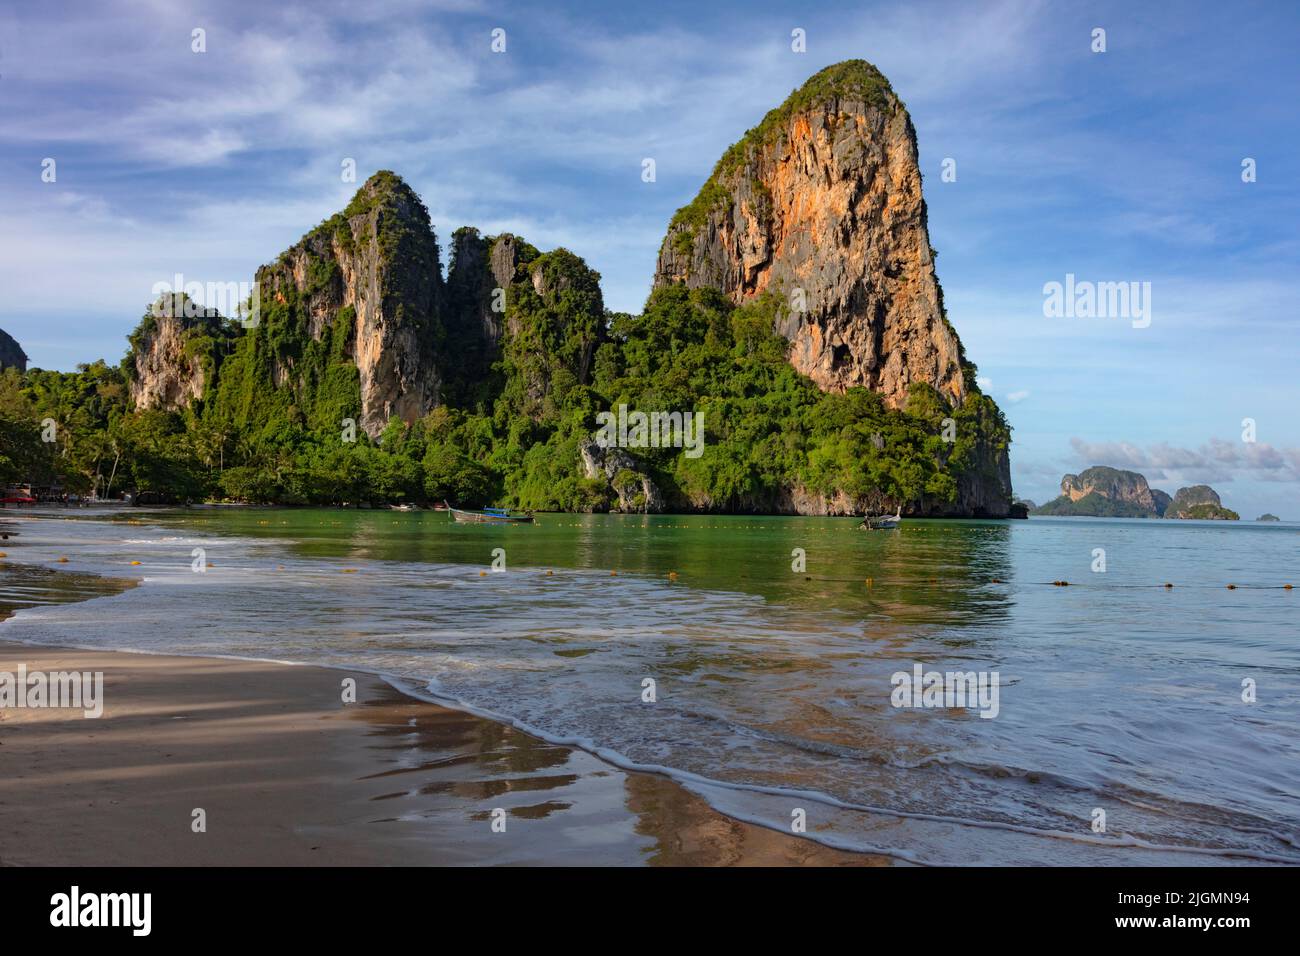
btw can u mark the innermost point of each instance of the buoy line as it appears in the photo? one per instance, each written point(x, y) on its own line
point(871, 582)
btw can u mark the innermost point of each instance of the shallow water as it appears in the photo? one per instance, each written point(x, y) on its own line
point(772, 686)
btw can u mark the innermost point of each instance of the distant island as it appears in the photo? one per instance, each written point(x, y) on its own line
point(1103, 492)
point(1268, 517)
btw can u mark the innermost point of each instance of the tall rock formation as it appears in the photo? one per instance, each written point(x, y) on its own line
point(356, 321)
point(821, 203)
point(543, 312)
point(174, 353)
point(481, 271)
point(376, 263)
point(1111, 483)
point(11, 353)
point(1103, 492)
point(554, 322)
point(1199, 501)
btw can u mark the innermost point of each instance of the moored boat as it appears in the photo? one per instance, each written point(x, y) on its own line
point(882, 522)
point(489, 516)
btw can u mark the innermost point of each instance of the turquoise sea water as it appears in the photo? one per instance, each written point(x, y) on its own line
point(772, 685)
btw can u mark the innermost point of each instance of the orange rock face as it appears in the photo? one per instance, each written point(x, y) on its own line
point(826, 212)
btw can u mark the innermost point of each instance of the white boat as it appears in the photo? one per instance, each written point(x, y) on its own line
point(489, 516)
point(882, 522)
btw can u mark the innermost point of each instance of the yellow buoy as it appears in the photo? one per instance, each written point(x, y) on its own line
point(63, 560)
point(549, 573)
point(672, 575)
point(135, 562)
point(3, 555)
point(345, 570)
point(482, 574)
point(613, 574)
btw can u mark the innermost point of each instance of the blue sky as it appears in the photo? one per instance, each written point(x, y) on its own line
point(1115, 166)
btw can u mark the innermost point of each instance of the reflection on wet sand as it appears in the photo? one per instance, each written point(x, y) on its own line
point(444, 772)
point(23, 585)
point(412, 782)
point(288, 774)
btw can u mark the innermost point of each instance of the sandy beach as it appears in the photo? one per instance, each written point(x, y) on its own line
point(287, 774)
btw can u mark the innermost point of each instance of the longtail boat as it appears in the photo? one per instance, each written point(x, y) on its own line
point(882, 522)
point(489, 516)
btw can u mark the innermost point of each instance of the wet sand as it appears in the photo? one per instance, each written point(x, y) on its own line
point(288, 774)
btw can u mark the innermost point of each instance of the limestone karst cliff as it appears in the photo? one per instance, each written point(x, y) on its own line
point(356, 319)
point(363, 288)
point(377, 264)
point(479, 268)
point(11, 353)
point(1199, 501)
point(174, 353)
point(795, 307)
point(821, 204)
point(1105, 492)
point(1113, 484)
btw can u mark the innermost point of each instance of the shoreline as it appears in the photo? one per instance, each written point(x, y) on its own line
point(600, 814)
point(54, 510)
point(287, 774)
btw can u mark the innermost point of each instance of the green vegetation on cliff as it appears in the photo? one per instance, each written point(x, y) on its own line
point(1208, 512)
point(767, 428)
point(512, 421)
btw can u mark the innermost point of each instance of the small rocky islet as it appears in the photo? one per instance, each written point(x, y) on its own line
point(1104, 492)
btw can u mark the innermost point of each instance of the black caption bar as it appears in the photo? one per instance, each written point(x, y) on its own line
point(332, 905)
